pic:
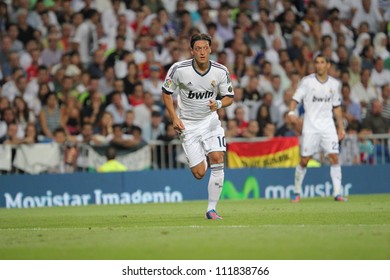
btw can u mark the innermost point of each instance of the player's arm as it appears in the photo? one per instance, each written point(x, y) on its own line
point(295, 120)
point(225, 90)
point(168, 101)
point(339, 122)
point(225, 101)
point(291, 113)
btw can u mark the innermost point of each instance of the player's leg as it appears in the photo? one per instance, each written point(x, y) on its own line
point(336, 175)
point(195, 153)
point(308, 147)
point(330, 144)
point(215, 148)
point(300, 172)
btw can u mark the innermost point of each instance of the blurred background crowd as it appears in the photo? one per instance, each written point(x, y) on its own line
point(91, 71)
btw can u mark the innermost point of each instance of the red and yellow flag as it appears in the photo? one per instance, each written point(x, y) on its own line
point(276, 152)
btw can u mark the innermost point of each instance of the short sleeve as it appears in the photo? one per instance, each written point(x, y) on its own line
point(169, 86)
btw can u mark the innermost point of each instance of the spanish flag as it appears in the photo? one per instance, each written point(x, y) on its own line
point(275, 152)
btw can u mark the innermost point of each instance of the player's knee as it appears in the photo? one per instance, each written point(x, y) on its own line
point(198, 174)
point(216, 157)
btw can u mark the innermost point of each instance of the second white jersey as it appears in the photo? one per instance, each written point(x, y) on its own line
point(195, 90)
point(319, 99)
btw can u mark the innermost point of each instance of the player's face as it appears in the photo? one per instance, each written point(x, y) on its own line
point(321, 65)
point(201, 51)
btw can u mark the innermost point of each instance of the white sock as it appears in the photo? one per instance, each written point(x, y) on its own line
point(300, 173)
point(335, 175)
point(215, 185)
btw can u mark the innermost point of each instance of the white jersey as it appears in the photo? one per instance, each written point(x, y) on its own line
point(319, 99)
point(195, 90)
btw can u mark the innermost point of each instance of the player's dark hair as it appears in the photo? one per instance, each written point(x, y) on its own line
point(327, 59)
point(200, 37)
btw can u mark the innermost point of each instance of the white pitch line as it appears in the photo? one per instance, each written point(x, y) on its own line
point(189, 226)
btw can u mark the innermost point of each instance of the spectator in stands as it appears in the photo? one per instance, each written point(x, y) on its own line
point(143, 112)
point(118, 108)
point(364, 91)
point(380, 46)
point(269, 130)
point(71, 115)
point(67, 89)
point(354, 69)
point(153, 84)
point(349, 150)
point(123, 141)
point(137, 96)
point(118, 87)
point(119, 54)
point(232, 129)
point(303, 59)
point(96, 67)
point(251, 92)
point(104, 129)
point(23, 115)
point(366, 147)
point(26, 32)
point(51, 55)
point(379, 75)
point(128, 126)
point(131, 78)
point(385, 97)
point(368, 12)
point(106, 83)
point(86, 135)
point(252, 130)
point(4, 103)
point(263, 117)
point(238, 101)
point(4, 16)
point(152, 129)
point(93, 108)
point(287, 129)
point(375, 120)
point(112, 165)
point(11, 136)
point(367, 56)
point(352, 110)
point(31, 134)
point(239, 116)
point(13, 32)
point(51, 116)
point(8, 117)
point(18, 90)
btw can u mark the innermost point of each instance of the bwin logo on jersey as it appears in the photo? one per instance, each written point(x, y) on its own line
point(321, 99)
point(200, 95)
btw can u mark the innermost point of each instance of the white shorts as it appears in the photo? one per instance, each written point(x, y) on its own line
point(200, 138)
point(314, 142)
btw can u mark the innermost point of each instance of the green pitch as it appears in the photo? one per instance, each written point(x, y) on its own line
point(316, 228)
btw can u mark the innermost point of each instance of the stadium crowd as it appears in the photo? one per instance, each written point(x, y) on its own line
point(91, 71)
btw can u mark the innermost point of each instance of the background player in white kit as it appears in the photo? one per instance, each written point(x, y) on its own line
point(320, 95)
point(198, 82)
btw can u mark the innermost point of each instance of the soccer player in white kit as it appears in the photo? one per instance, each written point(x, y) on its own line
point(321, 98)
point(198, 82)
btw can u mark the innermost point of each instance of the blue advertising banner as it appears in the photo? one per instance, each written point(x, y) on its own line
point(48, 190)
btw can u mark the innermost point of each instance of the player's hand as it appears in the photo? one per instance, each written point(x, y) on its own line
point(341, 133)
point(178, 125)
point(213, 105)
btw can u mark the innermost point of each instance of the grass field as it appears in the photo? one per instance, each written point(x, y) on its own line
point(316, 228)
